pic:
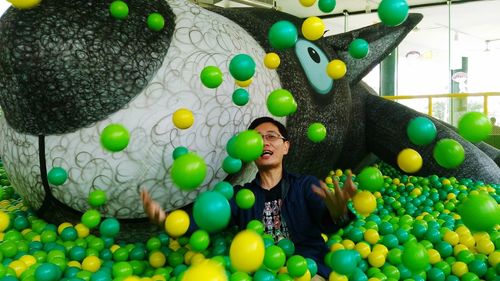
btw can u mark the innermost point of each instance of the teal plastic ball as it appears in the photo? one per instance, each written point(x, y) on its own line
point(359, 48)
point(230, 147)
point(211, 211)
point(242, 67)
point(110, 227)
point(283, 35)
point(370, 179)
point(211, 77)
point(344, 261)
point(231, 165)
point(188, 171)
point(474, 127)
point(48, 272)
point(393, 12)
point(448, 153)
point(225, 188)
point(421, 131)
point(281, 103)
point(248, 145)
point(240, 97)
point(57, 176)
point(179, 151)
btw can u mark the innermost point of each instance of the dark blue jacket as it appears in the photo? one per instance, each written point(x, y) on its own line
point(304, 212)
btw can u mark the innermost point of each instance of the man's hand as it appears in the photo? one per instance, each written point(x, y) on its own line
point(336, 201)
point(155, 213)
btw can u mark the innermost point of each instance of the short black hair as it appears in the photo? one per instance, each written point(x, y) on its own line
point(281, 128)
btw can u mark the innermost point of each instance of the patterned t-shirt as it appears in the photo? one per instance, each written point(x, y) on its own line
point(271, 217)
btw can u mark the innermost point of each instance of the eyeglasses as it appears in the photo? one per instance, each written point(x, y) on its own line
point(272, 137)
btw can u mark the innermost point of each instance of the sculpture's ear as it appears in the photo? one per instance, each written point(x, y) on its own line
point(382, 40)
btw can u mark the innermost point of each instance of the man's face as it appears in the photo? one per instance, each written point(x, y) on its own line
point(275, 146)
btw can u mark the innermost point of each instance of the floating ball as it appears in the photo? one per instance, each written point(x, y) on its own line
point(393, 12)
point(272, 60)
point(225, 188)
point(421, 131)
point(188, 171)
point(242, 67)
point(115, 137)
point(364, 202)
point(359, 48)
point(415, 256)
point(97, 198)
point(24, 4)
point(248, 145)
point(109, 227)
point(247, 251)
point(183, 118)
point(57, 176)
point(283, 35)
point(281, 103)
point(156, 22)
point(313, 28)
point(211, 211)
point(240, 97)
point(243, 84)
point(211, 77)
point(4, 221)
point(179, 151)
point(307, 3)
point(205, 270)
point(118, 10)
point(448, 153)
point(370, 179)
point(327, 6)
point(245, 198)
point(480, 212)
point(91, 218)
point(474, 126)
point(177, 223)
point(409, 160)
point(274, 257)
point(336, 69)
point(231, 165)
point(316, 132)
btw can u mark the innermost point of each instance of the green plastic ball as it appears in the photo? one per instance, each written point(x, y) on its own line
point(118, 10)
point(242, 67)
point(188, 171)
point(211, 77)
point(110, 227)
point(283, 35)
point(421, 131)
point(248, 145)
point(179, 151)
point(327, 6)
point(281, 103)
point(48, 272)
point(393, 12)
point(156, 22)
point(370, 179)
point(256, 226)
point(97, 198)
point(245, 198)
point(296, 265)
point(474, 127)
point(225, 188)
point(415, 256)
point(57, 176)
point(274, 257)
point(480, 212)
point(359, 48)
point(91, 218)
point(240, 97)
point(211, 211)
point(231, 165)
point(115, 137)
point(316, 132)
point(199, 240)
point(287, 246)
point(344, 261)
point(448, 153)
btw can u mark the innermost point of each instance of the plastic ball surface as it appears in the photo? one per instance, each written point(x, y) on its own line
point(247, 251)
point(474, 127)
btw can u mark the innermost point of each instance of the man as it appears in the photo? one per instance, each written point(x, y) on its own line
point(291, 206)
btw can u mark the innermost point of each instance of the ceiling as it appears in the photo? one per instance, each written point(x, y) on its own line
point(475, 24)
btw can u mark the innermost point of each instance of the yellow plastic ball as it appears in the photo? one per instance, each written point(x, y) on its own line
point(114, 247)
point(91, 263)
point(76, 264)
point(197, 258)
point(336, 246)
point(29, 260)
point(245, 83)
point(132, 278)
point(485, 246)
point(363, 249)
point(24, 4)
point(451, 237)
point(158, 277)
point(4, 221)
point(157, 259)
point(183, 118)
point(459, 268)
point(307, 3)
point(480, 236)
point(371, 236)
point(313, 28)
point(18, 266)
point(467, 240)
point(434, 256)
point(62, 226)
point(177, 223)
point(188, 256)
point(208, 270)
point(494, 258)
point(247, 251)
point(458, 248)
point(376, 259)
point(336, 69)
point(409, 160)
point(305, 277)
point(364, 202)
point(334, 276)
point(328, 180)
point(348, 244)
point(325, 238)
point(272, 60)
point(82, 230)
point(381, 248)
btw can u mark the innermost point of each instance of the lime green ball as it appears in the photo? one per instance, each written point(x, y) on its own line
point(274, 257)
point(91, 218)
point(199, 240)
point(316, 132)
point(188, 171)
point(393, 12)
point(57, 176)
point(370, 179)
point(283, 35)
point(211, 76)
point(115, 137)
point(281, 103)
point(256, 226)
point(296, 265)
point(156, 22)
point(245, 198)
point(248, 145)
point(97, 198)
point(480, 212)
point(122, 269)
point(415, 256)
point(474, 127)
point(119, 10)
point(448, 153)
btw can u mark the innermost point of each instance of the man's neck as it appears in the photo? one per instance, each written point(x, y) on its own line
point(271, 177)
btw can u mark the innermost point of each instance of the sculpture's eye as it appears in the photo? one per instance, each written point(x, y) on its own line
point(314, 62)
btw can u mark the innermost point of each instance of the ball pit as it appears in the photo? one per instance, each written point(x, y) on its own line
point(409, 235)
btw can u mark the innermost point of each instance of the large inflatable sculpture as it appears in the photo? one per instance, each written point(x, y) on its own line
point(68, 70)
